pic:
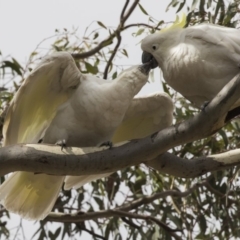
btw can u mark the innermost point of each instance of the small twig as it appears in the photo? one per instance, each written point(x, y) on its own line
point(141, 24)
point(116, 33)
point(166, 228)
point(79, 217)
point(127, 15)
point(124, 9)
point(95, 50)
point(130, 223)
point(153, 219)
point(18, 228)
point(120, 28)
point(119, 38)
point(93, 233)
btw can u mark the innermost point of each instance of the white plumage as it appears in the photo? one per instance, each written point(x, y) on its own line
point(56, 102)
point(196, 61)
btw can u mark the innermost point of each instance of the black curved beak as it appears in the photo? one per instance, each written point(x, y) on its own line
point(148, 57)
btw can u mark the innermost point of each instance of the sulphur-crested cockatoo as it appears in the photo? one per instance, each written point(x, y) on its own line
point(196, 61)
point(58, 103)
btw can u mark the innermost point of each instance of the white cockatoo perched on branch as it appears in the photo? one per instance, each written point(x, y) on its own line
point(58, 103)
point(196, 61)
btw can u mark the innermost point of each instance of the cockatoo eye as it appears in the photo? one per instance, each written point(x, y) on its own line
point(154, 47)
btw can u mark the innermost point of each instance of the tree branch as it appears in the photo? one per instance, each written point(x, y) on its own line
point(119, 38)
point(141, 24)
point(124, 209)
point(147, 218)
point(179, 167)
point(83, 161)
point(116, 33)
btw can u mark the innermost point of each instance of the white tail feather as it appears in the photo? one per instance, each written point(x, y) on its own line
point(30, 195)
point(77, 182)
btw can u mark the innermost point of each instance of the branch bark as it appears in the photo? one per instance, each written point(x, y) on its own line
point(83, 161)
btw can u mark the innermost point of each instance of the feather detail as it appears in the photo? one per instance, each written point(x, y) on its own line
point(179, 22)
point(30, 195)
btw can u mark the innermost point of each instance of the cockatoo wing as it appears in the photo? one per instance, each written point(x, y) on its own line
point(30, 195)
point(78, 181)
point(217, 36)
point(145, 115)
point(48, 86)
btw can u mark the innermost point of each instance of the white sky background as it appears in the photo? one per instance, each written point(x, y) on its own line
point(23, 24)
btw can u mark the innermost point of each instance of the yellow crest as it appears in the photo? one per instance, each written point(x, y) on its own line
point(180, 22)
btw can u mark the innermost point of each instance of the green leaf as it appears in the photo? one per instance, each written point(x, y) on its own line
point(139, 32)
point(173, 3)
point(57, 232)
point(114, 75)
point(224, 136)
point(14, 66)
point(142, 9)
point(90, 68)
point(194, 3)
point(209, 3)
point(95, 36)
point(159, 23)
point(101, 24)
point(124, 52)
point(181, 6)
point(202, 223)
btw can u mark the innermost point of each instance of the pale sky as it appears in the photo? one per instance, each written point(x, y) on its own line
point(23, 24)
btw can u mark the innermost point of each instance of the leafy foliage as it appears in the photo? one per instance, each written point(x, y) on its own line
point(206, 207)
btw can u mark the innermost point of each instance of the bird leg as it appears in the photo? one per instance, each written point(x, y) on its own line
point(203, 106)
point(61, 143)
point(107, 144)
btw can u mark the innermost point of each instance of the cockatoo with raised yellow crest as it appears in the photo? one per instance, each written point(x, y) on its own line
point(56, 103)
point(196, 61)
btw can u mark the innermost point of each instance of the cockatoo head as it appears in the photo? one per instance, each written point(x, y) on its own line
point(150, 46)
point(156, 45)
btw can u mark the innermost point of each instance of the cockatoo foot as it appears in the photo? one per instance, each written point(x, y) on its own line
point(61, 143)
point(153, 136)
point(204, 105)
point(107, 144)
point(40, 140)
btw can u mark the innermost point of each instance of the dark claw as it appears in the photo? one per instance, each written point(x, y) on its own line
point(154, 135)
point(61, 143)
point(204, 105)
point(40, 140)
point(107, 144)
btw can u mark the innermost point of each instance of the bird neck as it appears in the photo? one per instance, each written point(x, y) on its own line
point(131, 81)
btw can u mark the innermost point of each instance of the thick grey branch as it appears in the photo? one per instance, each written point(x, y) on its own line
point(77, 161)
point(185, 168)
